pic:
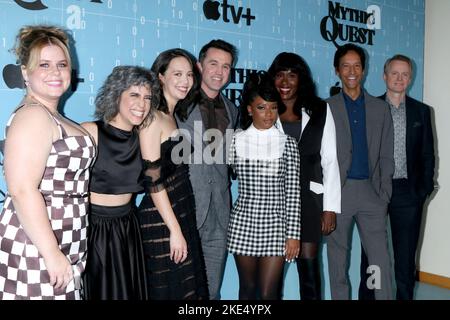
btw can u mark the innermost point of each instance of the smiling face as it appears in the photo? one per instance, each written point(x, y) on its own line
point(351, 72)
point(286, 83)
point(264, 113)
point(48, 81)
point(215, 70)
point(397, 76)
point(134, 107)
point(177, 80)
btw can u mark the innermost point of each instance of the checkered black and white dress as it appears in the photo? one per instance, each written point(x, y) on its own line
point(267, 210)
point(64, 187)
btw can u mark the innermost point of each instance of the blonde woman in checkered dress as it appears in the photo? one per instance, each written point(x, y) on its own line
point(264, 228)
point(47, 158)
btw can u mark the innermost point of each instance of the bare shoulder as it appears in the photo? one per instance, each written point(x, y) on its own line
point(33, 121)
point(32, 115)
point(155, 125)
point(91, 128)
point(31, 127)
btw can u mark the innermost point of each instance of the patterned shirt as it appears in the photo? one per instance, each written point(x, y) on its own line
point(399, 120)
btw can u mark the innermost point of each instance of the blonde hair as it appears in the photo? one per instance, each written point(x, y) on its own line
point(31, 39)
point(398, 57)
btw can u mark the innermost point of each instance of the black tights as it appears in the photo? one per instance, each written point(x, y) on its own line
point(259, 274)
point(309, 250)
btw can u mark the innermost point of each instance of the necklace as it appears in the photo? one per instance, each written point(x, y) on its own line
point(54, 113)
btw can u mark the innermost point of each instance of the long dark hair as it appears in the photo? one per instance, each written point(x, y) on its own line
point(258, 84)
point(306, 91)
point(160, 66)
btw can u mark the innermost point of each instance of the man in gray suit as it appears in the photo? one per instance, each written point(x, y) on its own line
point(364, 135)
point(208, 123)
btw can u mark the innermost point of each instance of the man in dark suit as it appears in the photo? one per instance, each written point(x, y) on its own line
point(210, 123)
point(413, 175)
point(364, 139)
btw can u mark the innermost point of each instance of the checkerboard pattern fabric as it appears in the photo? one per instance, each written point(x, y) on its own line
point(267, 211)
point(64, 188)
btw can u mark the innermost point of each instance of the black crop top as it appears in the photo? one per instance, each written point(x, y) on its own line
point(118, 168)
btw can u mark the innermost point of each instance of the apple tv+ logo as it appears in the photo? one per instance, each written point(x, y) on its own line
point(212, 12)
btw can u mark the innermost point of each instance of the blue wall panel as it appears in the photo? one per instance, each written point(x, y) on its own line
point(112, 32)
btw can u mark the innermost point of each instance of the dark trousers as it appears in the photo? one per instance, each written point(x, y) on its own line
point(405, 213)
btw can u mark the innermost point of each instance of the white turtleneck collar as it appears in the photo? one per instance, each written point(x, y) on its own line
point(258, 144)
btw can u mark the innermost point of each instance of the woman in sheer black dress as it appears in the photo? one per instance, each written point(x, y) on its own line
point(174, 261)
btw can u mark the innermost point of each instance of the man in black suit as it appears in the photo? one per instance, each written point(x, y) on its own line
point(413, 175)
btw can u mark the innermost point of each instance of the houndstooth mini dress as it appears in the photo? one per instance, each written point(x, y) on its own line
point(267, 210)
point(64, 187)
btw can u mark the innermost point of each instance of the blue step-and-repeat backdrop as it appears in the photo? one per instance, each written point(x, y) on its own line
point(108, 33)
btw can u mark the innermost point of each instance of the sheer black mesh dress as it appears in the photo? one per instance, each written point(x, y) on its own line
point(165, 279)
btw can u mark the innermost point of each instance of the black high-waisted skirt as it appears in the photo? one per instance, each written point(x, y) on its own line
point(115, 267)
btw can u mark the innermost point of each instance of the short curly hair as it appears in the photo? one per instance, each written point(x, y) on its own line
point(107, 102)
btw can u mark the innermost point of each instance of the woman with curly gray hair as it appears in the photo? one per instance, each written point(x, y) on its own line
point(115, 268)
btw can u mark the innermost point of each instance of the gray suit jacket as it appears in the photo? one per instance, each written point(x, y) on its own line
point(380, 142)
point(210, 182)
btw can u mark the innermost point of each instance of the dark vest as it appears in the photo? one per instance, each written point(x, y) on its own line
point(310, 167)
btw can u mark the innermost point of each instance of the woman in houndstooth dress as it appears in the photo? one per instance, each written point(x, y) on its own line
point(47, 158)
point(264, 227)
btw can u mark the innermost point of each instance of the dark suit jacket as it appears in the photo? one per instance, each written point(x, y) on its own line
point(210, 182)
point(380, 142)
point(419, 147)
